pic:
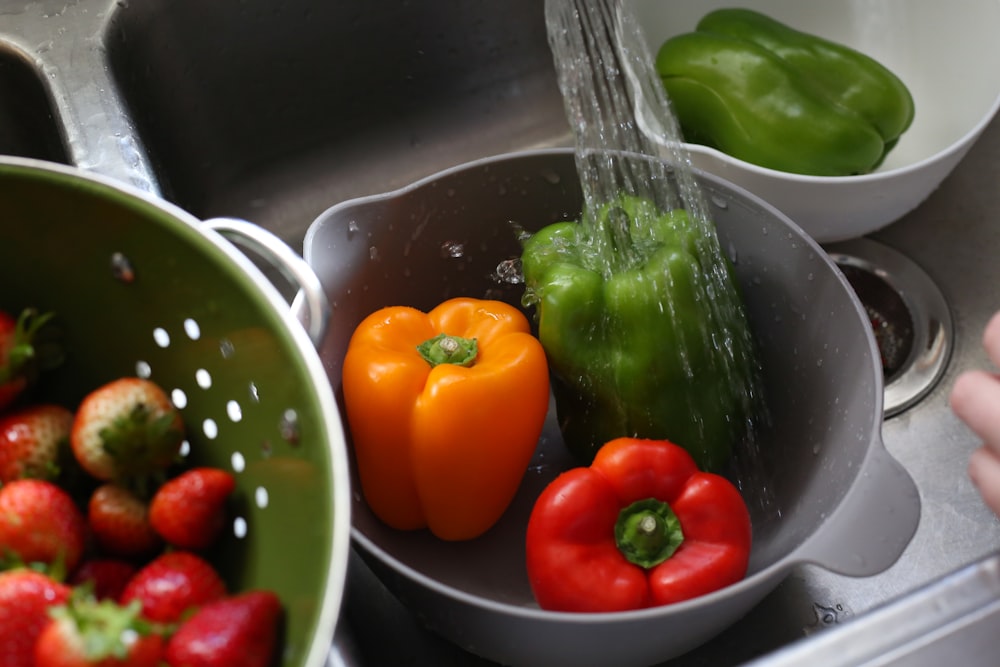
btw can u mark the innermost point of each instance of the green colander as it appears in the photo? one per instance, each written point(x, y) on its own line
point(140, 287)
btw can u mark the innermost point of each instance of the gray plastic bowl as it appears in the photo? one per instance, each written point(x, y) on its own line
point(845, 504)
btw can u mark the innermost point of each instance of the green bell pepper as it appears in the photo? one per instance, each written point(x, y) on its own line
point(771, 95)
point(642, 339)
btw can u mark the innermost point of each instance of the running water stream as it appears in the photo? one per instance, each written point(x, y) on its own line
point(604, 71)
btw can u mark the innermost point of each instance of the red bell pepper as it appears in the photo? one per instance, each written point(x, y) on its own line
point(641, 527)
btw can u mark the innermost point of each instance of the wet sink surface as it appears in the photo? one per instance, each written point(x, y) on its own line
point(276, 111)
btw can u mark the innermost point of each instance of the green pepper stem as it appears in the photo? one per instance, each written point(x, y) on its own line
point(445, 349)
point(648, 532)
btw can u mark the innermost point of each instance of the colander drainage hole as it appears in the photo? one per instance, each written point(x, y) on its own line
point(910, 319)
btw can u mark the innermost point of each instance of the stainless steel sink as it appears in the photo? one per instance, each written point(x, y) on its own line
point(274, 111)
point(277, 110)
point(27, 127)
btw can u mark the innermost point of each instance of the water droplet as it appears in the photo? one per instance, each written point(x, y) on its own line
point(452, 249)
point(509, 272)
point(289, 426)
point(552, 177)
point(121, 268)
point(825, 616)
point(720, 201)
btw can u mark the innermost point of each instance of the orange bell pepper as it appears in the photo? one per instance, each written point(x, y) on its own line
point(445, 409)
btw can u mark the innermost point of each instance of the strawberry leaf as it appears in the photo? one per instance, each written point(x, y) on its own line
point(22, 356)
point(142, 442)
point(106, 629)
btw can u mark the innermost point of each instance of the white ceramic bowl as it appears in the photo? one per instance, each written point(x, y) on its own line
point(948, 54)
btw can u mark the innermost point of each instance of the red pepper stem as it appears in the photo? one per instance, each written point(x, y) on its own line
point(445, 349)
point(648, 532)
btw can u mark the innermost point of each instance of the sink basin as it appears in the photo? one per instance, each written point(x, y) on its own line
point(27, 126)
point(275, 111)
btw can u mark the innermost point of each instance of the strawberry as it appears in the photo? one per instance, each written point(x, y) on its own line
point(126, 428)
point(189, 510)
point(25, 599)
point(119, 521)
point(237, 630)
point(30, 441)
point(40, 523)
point(173, 583)
point(106, 577)
point(20, 361)
point(86, 632)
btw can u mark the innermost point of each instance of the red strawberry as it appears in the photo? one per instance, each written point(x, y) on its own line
point(25, 599)
point(40, 523)
point(106, 577)
point(19, 360)
point(238, 630)
point(173, 583)
point(86, 632)
point(30, 440)
point(119, 520)
point(189, 510)
point(126, 428)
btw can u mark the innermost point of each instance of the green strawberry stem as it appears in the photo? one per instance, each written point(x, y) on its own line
point(103, 626)
point(143, 445)
point(56, 570)
point(22, 354)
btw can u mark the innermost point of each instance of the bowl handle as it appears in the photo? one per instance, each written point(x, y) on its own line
point(310, 304)
point(875, 522)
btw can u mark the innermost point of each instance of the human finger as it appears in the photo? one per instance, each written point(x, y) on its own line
point(984, 471)
point(975, 399)
point(991, 339)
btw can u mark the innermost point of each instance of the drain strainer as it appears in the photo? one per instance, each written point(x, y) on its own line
point(909, 316)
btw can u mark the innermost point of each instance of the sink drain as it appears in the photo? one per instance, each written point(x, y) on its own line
point(909, 316)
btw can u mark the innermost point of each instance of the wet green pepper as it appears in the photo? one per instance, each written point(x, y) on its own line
point(644, 337)
point(771, 95)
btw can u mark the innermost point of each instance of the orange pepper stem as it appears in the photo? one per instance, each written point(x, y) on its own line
point(445, 349)
point(648, 532)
